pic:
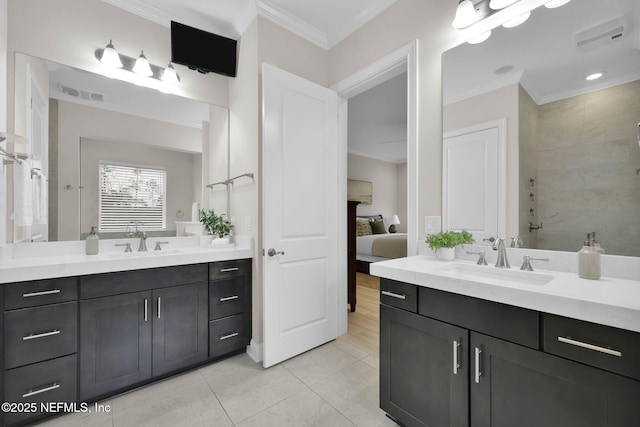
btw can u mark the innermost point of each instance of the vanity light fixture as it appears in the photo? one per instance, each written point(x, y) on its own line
point(465, 15)
point(110, 56)
point(555, 3)
point(169, 75)
point(142, 66)
point(517, 20)
point(500, 4)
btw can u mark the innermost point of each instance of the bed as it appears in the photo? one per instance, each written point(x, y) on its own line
point(378, 246)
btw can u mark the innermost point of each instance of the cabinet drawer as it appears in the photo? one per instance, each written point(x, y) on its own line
point(40, 292)
point(227, 335)
point(514, 324)
point(226, 297)
point(122, 282)
point(35, 334)
point(50, 381)
point(398, 294)
point(232, 268)
point(605, 347)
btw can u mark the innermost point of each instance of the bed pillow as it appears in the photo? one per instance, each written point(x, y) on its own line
point(363, 228)
point(377, 226)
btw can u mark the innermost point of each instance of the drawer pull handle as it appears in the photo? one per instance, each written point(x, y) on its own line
point(41, 293)
point(478, 373)
point(226, 270)
point(146, 309)
point(229, 298)
point(159, 306)
point(231, 335)
point(456, 363)
point(590, 346)
point(42, 335)
point(33, 392)
point(391, 294)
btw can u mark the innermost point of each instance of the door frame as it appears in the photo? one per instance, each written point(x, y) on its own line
point(501, 125)
point(395, 63)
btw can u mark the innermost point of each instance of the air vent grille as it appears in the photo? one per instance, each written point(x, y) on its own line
point(82, 94)
point(607, 32)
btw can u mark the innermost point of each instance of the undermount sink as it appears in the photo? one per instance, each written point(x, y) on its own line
point(487, 272)
point(136, 254)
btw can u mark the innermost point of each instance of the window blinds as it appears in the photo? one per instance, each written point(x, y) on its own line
point(132, 195)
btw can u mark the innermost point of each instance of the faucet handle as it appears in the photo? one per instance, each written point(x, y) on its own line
point(127, 248)
point(526, 262)
point(158, 247)
point(481, 257)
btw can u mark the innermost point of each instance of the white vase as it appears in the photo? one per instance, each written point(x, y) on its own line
point(447, 254)
point(221, 241)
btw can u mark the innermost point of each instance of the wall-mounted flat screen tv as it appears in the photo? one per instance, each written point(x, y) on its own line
point(203, 51)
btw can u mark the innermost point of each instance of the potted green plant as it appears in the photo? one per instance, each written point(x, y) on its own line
point(217, 225)
point(444, 243)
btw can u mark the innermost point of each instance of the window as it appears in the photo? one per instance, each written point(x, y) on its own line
point(132, 194)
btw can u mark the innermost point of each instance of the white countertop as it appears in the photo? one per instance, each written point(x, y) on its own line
point(608, 301)
point(35, 261)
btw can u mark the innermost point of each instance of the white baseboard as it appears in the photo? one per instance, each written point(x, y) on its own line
point(254, 350)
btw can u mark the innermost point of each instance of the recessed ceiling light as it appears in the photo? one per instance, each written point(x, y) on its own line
point(594, 76)
point(503, 70)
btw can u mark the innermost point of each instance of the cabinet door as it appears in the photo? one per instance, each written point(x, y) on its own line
point(180, 327)
point(115, 343)
point(516, 386)
point(423, 370)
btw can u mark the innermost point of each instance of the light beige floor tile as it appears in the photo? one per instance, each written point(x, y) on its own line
point(343, 343)
point(102, 418)
point(185, 400)
point(245, 388)
point(302, 409)
point(354, 392)
point(319, 363)
point(372, 361)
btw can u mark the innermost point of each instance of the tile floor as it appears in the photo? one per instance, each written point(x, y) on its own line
point(333, 385)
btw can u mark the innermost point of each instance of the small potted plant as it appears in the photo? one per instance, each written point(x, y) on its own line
point(444, 243)
point(217, 225)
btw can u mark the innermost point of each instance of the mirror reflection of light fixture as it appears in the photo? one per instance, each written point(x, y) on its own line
point(110, 56)
point(517, 20)
point(393, 221)
point(465, 14)
point(555, 3)
point(500, 4)
point(142, 66)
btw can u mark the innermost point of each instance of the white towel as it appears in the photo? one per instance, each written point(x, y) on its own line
point(22, 194)
point(44, 199)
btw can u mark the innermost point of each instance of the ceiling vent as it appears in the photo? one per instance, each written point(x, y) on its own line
point(82, 94)
point(607, 32)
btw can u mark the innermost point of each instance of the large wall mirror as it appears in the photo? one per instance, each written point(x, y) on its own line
point(93, 120)
point(576, 139)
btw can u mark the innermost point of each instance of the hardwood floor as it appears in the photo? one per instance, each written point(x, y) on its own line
point(364, 323)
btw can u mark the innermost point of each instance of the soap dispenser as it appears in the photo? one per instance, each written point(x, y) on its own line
point(589, 259)
point(92, 242)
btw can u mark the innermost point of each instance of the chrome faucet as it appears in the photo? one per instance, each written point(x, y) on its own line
point(143, 241)
point(502, 261)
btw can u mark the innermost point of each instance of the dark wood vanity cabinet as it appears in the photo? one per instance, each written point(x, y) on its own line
point(39, 346)
point(461, 361)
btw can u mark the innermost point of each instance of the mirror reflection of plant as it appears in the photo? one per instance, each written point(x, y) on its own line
point(217, 225)
point(449, 239)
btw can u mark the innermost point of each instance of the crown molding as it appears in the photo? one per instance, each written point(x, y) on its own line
point(245, 18)
point(353, 24)
point(148, 12)
point(292, 23)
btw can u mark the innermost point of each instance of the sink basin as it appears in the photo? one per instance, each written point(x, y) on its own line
point(143, 254)
point(489, 273)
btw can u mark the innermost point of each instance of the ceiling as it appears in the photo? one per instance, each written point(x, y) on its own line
point(323, 22)
point(542, 54)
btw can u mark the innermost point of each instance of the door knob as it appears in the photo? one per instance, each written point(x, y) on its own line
point(272, 252)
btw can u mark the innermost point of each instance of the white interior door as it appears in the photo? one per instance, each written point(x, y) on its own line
point(473, 182)
point(300, 214)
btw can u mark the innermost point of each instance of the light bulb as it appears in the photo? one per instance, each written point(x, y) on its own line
point(465, 15)
point(169, 75)
point(479, 38)
point(142, 66)
point(110, 56)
